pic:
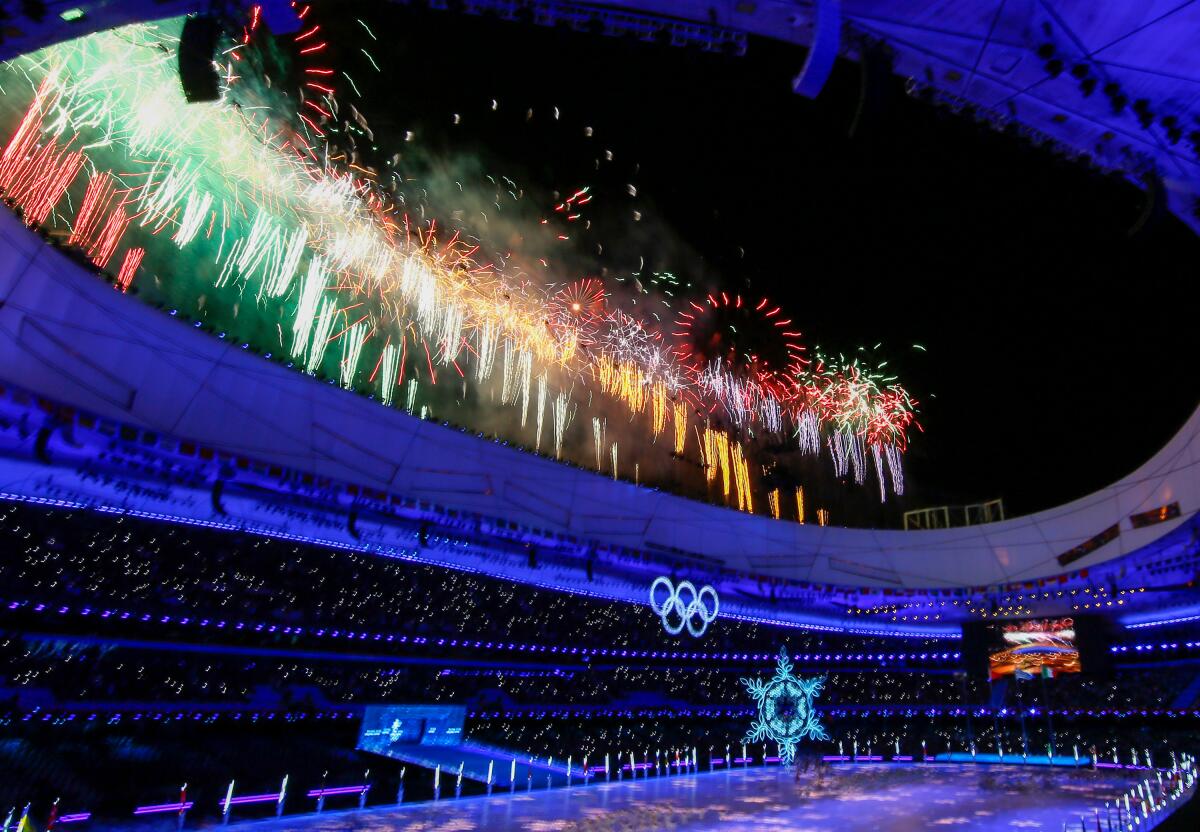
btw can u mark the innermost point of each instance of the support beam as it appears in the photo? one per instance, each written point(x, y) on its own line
point(827, 36)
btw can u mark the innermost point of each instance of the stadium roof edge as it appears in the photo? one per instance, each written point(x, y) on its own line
point(69, 337)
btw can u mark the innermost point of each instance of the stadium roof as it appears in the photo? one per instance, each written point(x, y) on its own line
point(1121, 87)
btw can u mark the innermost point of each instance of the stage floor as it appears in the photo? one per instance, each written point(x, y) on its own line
point(862, 798)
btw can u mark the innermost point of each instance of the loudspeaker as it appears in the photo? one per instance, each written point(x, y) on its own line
point(218, 490)
point(197, 47)
point(41, 445)
point(975, 642)
point(1094, 635)
point(875, 77)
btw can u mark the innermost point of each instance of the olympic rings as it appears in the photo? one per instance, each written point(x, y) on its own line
point(685, 602)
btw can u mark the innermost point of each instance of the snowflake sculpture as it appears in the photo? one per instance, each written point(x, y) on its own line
point(786, 713)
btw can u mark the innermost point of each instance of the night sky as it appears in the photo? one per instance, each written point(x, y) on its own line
point(1059, 349)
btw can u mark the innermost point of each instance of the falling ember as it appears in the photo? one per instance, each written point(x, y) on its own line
point(526, 376)
point(105, 245)
point(411, 396)
point(680, 422)
point(715, 449)
point(97, 201)
point(320, 338)
point(658, 409)
point(877, 458)
point(541, 410)
point(598, 426)
point(389, 373)
point(129, 267)
point(352, 344)
point(741, 479)
point(562, 418)
point(35, 178)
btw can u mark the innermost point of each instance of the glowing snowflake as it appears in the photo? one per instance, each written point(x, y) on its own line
point(786, 713)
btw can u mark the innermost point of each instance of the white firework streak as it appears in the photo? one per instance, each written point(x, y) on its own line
point(563, 413)
point(541, 411)
point(526, 376)
point(895, 460)
point(306, 312)
point(352, 344)
point(389, 369)
point(320, 336)
point(877, 458)
point(598, 426)
point(411, 396)
point(488, 340)
point(808, 431)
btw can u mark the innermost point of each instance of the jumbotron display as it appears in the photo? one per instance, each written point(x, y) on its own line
point(242, 216)
point(1039, 647)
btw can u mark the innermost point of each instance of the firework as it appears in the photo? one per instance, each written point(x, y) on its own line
point(563, 412)
point(579, 305)
point(541, 410)
point(246, 218)
point(680, 421)
point(389, 373)
point(752, 346)
point(129, 267)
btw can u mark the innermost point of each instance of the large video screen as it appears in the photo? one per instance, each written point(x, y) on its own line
point(385, 727)
point(1035, 647)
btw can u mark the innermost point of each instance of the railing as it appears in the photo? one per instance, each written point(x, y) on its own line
point(1145, 804)
point(1142, 807)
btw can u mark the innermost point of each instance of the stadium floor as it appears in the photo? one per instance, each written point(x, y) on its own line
point(861, 798)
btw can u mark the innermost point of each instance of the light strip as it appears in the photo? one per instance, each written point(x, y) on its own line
point(200, 620)
point(338, 790)
point(163, 807)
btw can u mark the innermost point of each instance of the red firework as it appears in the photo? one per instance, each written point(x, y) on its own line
point(750, 338)
point(580, 304)
point(310, 46)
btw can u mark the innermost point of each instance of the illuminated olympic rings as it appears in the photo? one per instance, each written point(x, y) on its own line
point(684, 604)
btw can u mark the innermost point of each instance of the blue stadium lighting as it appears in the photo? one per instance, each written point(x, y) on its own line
point(1150, 648)
point(1182, 619)
point(203, 622)
point(218, 715)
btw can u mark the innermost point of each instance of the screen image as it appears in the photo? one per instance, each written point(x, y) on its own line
point(1037, 647)
point(387, 726)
